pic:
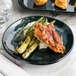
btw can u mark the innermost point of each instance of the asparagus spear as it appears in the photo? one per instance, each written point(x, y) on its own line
point(22, 42)
point(32, 41)
point(31, 49)
point(52, 22)
point(45, 22)
point(24, 37)
point(29, 27)
point(24, 45)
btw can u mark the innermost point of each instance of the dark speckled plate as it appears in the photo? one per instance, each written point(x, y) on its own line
point(49, 6)
point(43, 56)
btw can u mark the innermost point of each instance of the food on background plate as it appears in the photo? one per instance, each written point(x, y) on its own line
point(40, 2)
point(61, 4)
point(39, 32)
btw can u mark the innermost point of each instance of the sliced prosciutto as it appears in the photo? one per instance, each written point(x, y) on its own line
point(49, 36)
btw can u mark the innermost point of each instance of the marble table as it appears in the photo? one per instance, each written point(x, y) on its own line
point(62, 68)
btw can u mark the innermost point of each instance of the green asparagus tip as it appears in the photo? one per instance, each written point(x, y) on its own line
point(52, 22)
point(45, 22)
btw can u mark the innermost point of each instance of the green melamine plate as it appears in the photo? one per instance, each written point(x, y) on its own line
point(43, 56)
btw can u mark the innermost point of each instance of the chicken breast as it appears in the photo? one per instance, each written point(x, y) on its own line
point(40, 2)
point(61, 4)
point(49, 36)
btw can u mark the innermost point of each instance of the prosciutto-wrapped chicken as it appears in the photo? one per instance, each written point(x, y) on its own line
point(49, 36)
point(61, 4)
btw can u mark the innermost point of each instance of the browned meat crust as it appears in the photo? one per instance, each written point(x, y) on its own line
point(49, 36)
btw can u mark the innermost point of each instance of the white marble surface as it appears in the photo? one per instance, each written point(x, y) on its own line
point(62, 68)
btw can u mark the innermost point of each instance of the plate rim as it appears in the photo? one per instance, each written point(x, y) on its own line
point(53, 62)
